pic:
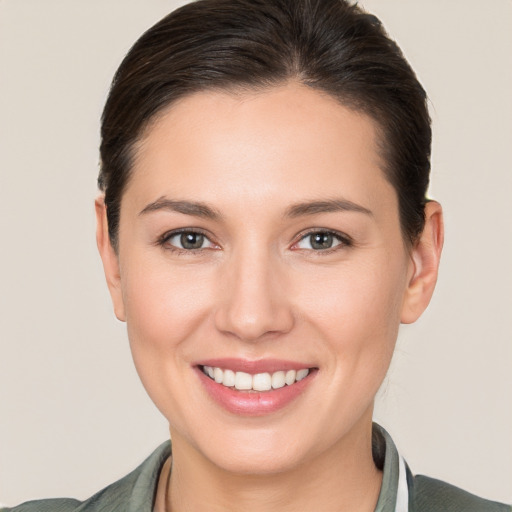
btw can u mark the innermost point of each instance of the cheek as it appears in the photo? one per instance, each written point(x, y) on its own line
point(163, 304)
point(364, 298)
point(357, 314)
point(165, 308)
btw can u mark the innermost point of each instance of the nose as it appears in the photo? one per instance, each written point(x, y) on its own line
point(253, 303)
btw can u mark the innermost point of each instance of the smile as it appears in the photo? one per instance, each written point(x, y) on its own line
point(255, 388)
point(243, 381)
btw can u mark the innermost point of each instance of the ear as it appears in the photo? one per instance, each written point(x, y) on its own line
point(109, 258)
point(425, 257)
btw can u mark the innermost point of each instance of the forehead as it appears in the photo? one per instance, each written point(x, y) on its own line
point(243, 146)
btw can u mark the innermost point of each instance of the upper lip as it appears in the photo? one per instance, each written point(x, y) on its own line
point(253, 367)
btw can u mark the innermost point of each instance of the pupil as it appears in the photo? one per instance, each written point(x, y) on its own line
point(191, 240)
point(321, 241)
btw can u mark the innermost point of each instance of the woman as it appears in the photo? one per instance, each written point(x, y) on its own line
point(264, 231)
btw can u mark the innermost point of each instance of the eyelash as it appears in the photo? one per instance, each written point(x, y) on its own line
point(344, 241)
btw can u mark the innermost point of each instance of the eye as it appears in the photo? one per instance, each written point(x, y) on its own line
point(322, 241)
point(187, 241)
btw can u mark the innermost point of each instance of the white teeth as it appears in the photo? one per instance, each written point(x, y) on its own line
point(278, 380)
point(218, 375)
point(243, 381)
point(259, 382)
point(301, 374)
point(290, 377)
point(262, 382)
point(229, 378)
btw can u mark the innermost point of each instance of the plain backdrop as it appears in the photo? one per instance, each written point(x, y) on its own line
point(73, 415)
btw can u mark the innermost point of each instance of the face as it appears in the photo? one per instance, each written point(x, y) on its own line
point(259, 236)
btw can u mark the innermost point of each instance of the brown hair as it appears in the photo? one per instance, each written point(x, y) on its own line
point(329, 45)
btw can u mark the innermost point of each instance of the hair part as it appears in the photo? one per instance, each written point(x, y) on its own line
point(329, 45)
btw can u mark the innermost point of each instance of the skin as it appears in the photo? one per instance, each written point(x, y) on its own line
point(259, 290)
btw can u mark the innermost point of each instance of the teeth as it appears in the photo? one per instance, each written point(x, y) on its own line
point(243, 380)
point(218, 375)
point(290, 377)
point(260, 382)
point(278, 380)
point(301, 374)
point(229, 378)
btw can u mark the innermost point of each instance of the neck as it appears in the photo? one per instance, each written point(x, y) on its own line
point(344, 478)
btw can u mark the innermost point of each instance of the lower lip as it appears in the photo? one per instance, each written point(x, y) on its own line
point(254, 403)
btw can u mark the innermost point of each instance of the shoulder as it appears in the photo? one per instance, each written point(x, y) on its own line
point(404, 491)
point(431, 495)
point(56, 505)
point(133, 492)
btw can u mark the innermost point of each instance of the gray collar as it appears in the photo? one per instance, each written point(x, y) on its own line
point(144, 480)
point(394, 494)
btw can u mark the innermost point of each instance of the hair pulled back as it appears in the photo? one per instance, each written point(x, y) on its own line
point(329, 45)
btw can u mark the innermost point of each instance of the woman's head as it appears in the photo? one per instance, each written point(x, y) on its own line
point(261, 228)
point(327, 45)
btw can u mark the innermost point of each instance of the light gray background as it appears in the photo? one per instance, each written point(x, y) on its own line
point(73, 416)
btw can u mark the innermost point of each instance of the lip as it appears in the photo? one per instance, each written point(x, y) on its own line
point(254, 403)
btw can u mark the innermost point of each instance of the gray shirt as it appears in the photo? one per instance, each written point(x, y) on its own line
point(400, 489)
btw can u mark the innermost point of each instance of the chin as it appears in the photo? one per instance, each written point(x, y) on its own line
point(251, 451)
point(258, 461)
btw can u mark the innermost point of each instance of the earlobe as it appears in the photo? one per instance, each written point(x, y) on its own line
point(109, 258)
point(425, 257)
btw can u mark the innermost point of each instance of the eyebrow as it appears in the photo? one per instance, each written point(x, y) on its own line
point(194, 208)
point(202, 210)
point(325, 206)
